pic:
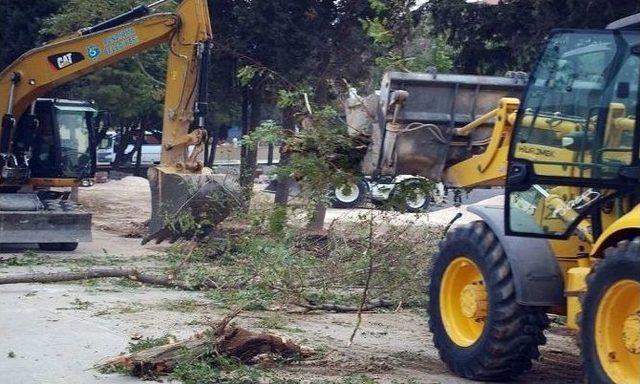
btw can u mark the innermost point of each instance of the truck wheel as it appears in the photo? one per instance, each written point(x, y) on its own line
point(350, 195)
point(410, 197)
point(479, 329)
point(65, 247)
point(419, 202)
point(610, 319)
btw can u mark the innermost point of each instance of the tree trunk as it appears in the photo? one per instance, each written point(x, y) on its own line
point(251, 101)
point(138, 149)
point(123, 143)
point(282, 187)
point(316, 224)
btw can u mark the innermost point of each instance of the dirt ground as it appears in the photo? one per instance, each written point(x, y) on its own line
point(54, 333)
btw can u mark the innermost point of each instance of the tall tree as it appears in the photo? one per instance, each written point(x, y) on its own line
point(493, 39)
point(282, 47)
point(20, 23)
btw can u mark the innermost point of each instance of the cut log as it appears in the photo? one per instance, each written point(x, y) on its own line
point(224, 339)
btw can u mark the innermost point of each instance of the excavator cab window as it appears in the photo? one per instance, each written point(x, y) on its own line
point(61, 142)
point(576, 138)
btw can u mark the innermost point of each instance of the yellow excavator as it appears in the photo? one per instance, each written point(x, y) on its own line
point(46, 144)
point(566, 240)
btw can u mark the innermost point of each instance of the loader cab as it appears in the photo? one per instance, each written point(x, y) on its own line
point(574, 154)
point(58, 139)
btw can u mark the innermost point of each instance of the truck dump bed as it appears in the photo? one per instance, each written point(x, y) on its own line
point(413, 131)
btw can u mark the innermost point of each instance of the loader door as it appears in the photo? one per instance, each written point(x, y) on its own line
point(575, 143)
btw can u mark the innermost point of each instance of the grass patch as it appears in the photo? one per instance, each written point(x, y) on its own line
point(275, 321)
point(185, 305)
point(150, 342)
point(251, 298)
point(77, 304)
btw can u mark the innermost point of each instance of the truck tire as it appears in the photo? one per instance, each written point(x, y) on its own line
point(418, 202)
point(408, 196)
point(64, 247)
point(479, 329)
point(610, 318)
point(349, 196)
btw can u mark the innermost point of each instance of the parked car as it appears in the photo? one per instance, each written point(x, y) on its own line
point(106, 151)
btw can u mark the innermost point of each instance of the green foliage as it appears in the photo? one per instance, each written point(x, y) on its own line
point(150, 342)
point(358, 379)
point(278, 220)
point(20, 22)
point(508, 36)
point(195, 372)
point(268, 132)
point(402, 35)
point(376, 29)
point(211, 367)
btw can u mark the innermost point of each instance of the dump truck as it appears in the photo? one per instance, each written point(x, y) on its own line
point(567, 238)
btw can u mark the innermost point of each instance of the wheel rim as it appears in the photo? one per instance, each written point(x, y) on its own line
point(463, 302)
point(348, 193)
point(418, 200)
point(617, 331)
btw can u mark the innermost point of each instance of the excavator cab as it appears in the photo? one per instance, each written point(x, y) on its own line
point(57, 140)
point(576, 139)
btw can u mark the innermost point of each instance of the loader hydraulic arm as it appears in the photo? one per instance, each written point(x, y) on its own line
point(188, 33)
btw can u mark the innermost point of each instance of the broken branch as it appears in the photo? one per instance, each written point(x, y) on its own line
point(347, 308)
point(129, 273)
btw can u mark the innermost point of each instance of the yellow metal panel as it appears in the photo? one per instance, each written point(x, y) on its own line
point(630, 220)
point(575, 285)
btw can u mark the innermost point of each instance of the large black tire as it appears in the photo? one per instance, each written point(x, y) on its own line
point(64, 247)
point(621, 262)
point(511, 333)
point(360, 188)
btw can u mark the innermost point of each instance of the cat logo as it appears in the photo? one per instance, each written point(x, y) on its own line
point(64, 60)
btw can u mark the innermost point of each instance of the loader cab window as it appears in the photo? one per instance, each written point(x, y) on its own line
point(578, 115)
point(576, 133)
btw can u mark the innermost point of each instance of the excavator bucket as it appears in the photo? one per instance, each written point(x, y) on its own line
point(189, 205)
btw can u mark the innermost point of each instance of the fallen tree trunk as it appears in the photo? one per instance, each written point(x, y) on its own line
point(346, 308)
point(224, 339)
point(129, 273)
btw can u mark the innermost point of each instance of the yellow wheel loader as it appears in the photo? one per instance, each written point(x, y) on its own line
point(45, 145)
point(567, 238)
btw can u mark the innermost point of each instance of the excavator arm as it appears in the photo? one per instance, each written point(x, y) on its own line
point(180, 185)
